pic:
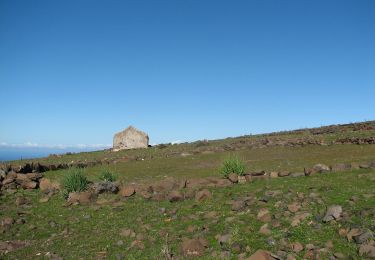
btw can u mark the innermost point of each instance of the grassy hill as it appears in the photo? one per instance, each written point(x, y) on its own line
point(229, 223)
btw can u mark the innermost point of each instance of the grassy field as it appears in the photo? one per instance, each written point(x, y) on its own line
point(136, 228)
point(89, 232)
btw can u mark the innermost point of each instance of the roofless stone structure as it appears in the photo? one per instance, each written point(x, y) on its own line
point(130, 138)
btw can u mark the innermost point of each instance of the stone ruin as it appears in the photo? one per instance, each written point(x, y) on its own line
point(130, 138)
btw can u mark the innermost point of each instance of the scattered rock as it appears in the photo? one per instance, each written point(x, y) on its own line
point(46, 186)
point(175, 195)
point(296, 247)
point(294, 207)
point(264, 215)
point(192, 247)
point(106, 187)
point(125, 232)
point(263, 255)
point(203, 195)
point(363, 237)
point(238, 205)
point(233, 177)
point(127, 191)
point(333, 213)
point(367, 250)
point(264, 230)
point(82, 198)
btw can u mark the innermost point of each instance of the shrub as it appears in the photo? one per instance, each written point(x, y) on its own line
point(107, 175)
point(233, 164)
point(74, 181)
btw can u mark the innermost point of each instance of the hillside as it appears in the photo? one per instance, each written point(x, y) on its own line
point(307, 193)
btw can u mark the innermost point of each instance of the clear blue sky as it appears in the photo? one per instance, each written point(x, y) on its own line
point(75, 72)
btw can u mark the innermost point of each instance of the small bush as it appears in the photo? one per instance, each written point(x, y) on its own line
point(107, 175)
point(74, 181)
point(234, 165)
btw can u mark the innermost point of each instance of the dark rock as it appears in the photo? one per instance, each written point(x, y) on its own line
point(106, 187)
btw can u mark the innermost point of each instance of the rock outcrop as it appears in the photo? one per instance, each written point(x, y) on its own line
point(130, 138)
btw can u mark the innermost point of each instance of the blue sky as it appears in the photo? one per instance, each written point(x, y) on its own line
point(76, 72)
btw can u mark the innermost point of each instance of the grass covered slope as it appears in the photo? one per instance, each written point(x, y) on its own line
point(282, 215)
point(106, 228)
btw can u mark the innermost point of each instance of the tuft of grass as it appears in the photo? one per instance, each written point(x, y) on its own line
point(107, 175)
point(233, 164)
point(74, 181)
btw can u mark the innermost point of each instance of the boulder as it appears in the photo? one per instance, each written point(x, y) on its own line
point(203, 195)
point(175, 195)
point(193, 247)
point(321, 168)
point(333, 213)
point(233, 177)
point(127, 191)
point(106, 187)
point(47, 186)
point(262, 255)
point(130, 138)
point(340, 167)
point(27, 185)
point(82, 198)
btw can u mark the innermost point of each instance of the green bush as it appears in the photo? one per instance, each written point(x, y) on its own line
point(74, 181)
point(233, 164)
point(107, 175)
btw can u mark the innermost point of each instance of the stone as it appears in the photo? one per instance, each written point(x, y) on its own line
point(130, 138)
point(192, 247)
point(283, 174)
point(7, 221)
point(203, 195)
point(127, 191)
point(363, 237)
point(274, 174)
point(264, 230)
point(296, 247)
point(175, 195)
point(47, 186)
point(233, 177)
point(321, 168)
point(28, 185)
point(297, 174)
point(264, 215)
point(294, 207)
point(82, 198)
point(238, 205)
point(137, 244)
point(340, 167)
point(224, 239)
point(106, 187)
point(333, 213)
point(20, 201)
point(241, 179)
point(262, 255)
point(125, 232)
point(9, 246)
point(367, 250)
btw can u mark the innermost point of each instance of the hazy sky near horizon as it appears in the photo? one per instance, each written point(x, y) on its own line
point(76, 72)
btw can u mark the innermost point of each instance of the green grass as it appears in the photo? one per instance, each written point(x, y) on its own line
point(107, 175)
point(232, 165)
point(74, 181)
point(93, 231)
point(98, 234)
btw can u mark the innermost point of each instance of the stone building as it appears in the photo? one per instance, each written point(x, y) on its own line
point(130, 138)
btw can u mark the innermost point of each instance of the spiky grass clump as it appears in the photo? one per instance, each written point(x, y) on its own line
point(232, 165)
point(74, 181)
point(107, 175)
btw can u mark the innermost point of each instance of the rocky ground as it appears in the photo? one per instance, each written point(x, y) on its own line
point(295, 202)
